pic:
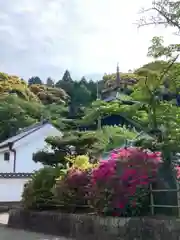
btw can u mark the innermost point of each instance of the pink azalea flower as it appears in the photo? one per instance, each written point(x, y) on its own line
point(137, 168)
point(121, 205)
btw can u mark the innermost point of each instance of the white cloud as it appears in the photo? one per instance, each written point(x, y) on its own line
point(42, 37)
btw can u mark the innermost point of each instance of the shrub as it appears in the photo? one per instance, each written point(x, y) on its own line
point(120, 185)
point(111, 137)
point(37, 192)
point(71, 190)
point(48, 95)
point(81, 162)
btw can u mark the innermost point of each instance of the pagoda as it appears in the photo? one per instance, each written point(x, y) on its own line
point(112, 92)
point(118, 90)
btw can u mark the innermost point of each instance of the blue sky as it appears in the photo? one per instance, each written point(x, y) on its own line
point(89, 37)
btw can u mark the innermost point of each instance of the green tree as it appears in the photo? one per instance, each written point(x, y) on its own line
point(16, 113)
point(13, 117)
point(157, 48)
point(81, 94)
point(67, 77)
point(49, 82)
point(34, 80)
point(167, 13)
point(92, 87)
point(3, 77)
point(84, 81)
point(163, 117)
point(73, 143)
point(172, 68)
point(163, 12)
point(66, 83)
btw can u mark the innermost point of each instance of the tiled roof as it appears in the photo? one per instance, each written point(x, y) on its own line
point(23, 133)
point(110, 98)
point(15, 175)
point(118, 97)
point(110, 89)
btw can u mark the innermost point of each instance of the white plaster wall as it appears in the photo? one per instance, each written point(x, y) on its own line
point(25, 149)
point(24, 162)
point(31, 144)
point(6, 166)
point(11, 189)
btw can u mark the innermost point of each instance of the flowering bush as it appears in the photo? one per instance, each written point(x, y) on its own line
point(177, 169)
point(71, 190)
point(81, 162)
point(120, 182)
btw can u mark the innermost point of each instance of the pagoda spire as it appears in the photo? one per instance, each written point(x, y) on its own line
point(118, 79)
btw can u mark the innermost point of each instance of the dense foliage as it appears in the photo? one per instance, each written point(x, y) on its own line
point(70, 144)
point(119, 186)
point(23, 104)
point(17, 113)
point(82, 92)
point(110, 137)
point(49, 95)
point(71, 190)
point(76, 143)
point(128, 79)
point(38, 191)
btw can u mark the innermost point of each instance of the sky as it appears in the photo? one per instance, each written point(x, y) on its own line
point(88, 37)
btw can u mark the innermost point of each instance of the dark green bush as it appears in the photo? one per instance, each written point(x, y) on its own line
point(37, 192)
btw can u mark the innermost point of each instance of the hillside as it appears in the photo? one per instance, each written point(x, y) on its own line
point(123, 76)
point(22, 105)
point(154, 66)
point(158, 66)
point(131, 78)
point(14, 85)
point(38, 93)
point(127, 78)
point(49, 95)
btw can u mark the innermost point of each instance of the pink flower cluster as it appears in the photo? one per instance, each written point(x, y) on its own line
point(132, 161)
point(76, 177)
point(126, 170)
point(177, 168)
point(72, 188)
point(134, 153)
